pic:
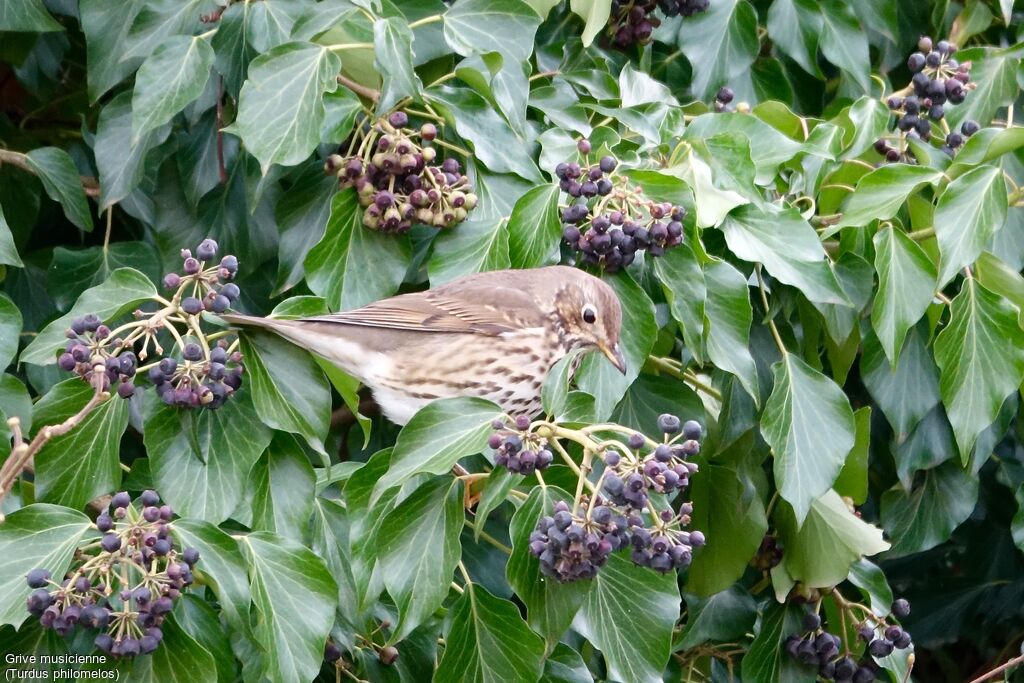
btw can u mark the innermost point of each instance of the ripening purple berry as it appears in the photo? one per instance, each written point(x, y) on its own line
point(231, 291)
point(192, 306)
point(229, 263)
point(111, 543)
point(120, 500)
point(125, 389)
point(206, 250)
point(149, 498)
point(583, 146)
point(612, 459)
point(697, 539)
point(66, 362)
point(37, 578)
point(668, 424)
point(190, 556)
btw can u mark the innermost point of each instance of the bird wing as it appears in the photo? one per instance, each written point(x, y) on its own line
point(469, 309)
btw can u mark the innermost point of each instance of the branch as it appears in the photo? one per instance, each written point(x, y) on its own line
point(90, 185)
point(361, 90)
point(1000, 669)
point(22, 453)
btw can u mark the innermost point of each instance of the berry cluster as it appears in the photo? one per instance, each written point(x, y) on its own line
point(817, 647)
point(518, 450)
point(396, 180)
point(122, 586)
point(574, 546)
point(939, 80)
point(210, 371)
point(723, 99)
point(611, 221)
point(573, 543)
point(204, 378)
point(631, 22)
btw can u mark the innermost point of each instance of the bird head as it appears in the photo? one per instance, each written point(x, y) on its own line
point(590, 315)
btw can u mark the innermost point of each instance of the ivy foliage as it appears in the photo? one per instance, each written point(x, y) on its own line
point(848, 328)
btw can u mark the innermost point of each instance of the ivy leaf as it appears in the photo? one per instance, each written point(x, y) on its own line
point(121, 167)
point(177, 659)
point(302, 215)
point(729, 316)
point(927, 515)
point(336, 266)
point(59, 176)
point(289, 390)
point(595, 15)
point(72, 271)
point(787, 246)
point(845, 43)
point(8, 251)
point(489, 642)
point(477, 245)
point(550, 605)
point(628, 615)
point(535, 228)
point(819, 552)
point(995, 72)
point(169, 79)
point(418, 550)
point(906, 287)
point(393, 57)
point(766, 661)
point(208, 483)
point(281, 108)
point(650, 396)
point(26, 16)
point(281, 489)
point(880, 194)
point(907, 392)
point(597, 376)
point(720, 43)
point(980, 355)
point(437, 436)
point(967, 216)
point(565, 665)
point(554, 394)
point(809, 424)
point(76, 467)
point(35, 536)
point(794, 27)
point(10, 331)
point(293, 595)
point(683, 281)
point(870, 579)
point(852, 481)
point(721, 617)
point(478, 26)
point(221, 566)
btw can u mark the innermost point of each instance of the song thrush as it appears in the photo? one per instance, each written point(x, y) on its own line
point(494, 335)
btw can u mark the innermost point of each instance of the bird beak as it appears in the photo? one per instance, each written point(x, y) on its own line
point(614, 354)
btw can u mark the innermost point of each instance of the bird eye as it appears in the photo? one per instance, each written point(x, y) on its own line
point(589, 314)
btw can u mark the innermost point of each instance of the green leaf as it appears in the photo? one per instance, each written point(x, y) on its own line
point(683, 282)
point(76, 467)
point(500, 481)
point(8, 251)
point(845, 43)
point(554, 394)
point(27, 16)
point(293, 595)
point(809, 424)
point(59, 176)
point(365, 517)
point(870, 579)
point(794, 27)
point(729, 509)
point(173, 76)
point(926, 516)
point(281, 107)
point(418, 550)
point(474, 246)
point(853, 478)
point(906, 287)
point(177, 659)
point(336, 266)
point(999, 278)
point(489, 642)
point(288, 388)
point(995, 73)
point(330, 533)
point(535, 228)
point(650, 396)
point(766, 661)
point(720, 43)
point(302, 216)
point(768, 147)
point(495, 143)
point(550, 605)
point(722, 617)
point(565, 665)
point(281, 485)
point(106, 28)
point(393, 57)
point(35, 536)
point(10, 330)
point(729, 316)
point(625, 601)
point(200, 459)
point(232, 44)
point(787, 246)
point(597, 376)
point(121, 165)
point(881, 193)
point(71, 272)
point(437, 436)
point(967, 216)
point(595, 15)
point(820, 551)
point(980, 355)
point(221, 566)
point(478, 26)
point(907, 393)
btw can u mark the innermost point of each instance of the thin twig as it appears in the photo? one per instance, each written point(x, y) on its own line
point(22, 453)
point(767, 312)
point(361, 90)
point(1016, 661)
point(90, 185)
